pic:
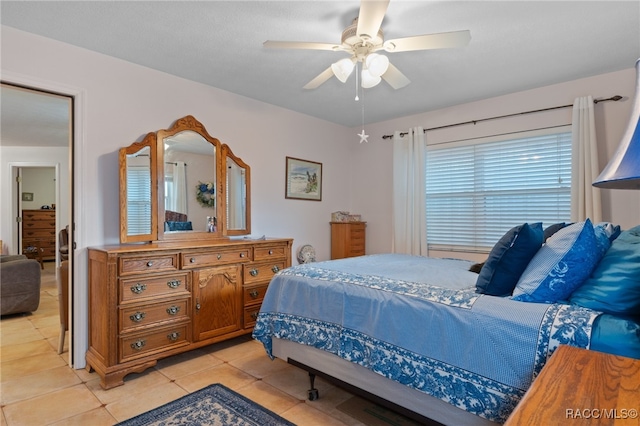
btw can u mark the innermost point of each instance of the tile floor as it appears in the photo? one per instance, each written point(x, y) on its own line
point(37, 387)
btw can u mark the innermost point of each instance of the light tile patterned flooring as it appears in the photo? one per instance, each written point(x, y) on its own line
point(37, 387)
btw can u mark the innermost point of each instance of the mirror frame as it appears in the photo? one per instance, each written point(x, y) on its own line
point(155, 140)
point(227, 153)
point(148, 141)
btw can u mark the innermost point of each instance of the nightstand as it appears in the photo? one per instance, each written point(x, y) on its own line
point(579, 386)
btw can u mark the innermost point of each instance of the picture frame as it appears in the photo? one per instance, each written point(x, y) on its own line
point(303, 179)
point(27, 196)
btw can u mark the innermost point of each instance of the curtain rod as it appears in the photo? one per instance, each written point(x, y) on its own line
point(615, 98)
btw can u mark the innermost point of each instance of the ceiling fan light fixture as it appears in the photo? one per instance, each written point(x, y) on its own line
point(369, 80)
point(343, 69)
point(376, 64)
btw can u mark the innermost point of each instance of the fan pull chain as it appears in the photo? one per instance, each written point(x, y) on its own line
point(363, 136)
point(357, 85)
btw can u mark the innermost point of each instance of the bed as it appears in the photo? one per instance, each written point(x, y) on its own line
point(435, 341)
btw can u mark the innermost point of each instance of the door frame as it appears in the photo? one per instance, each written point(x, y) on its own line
point(16, 208)
point(78, 325)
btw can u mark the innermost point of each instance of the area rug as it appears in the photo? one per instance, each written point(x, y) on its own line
point(215, 405)
point(372, 414)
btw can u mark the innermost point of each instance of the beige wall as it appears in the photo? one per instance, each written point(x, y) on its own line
point(372, 190)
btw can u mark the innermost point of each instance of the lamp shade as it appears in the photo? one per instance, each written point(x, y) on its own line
point(369, 80)
point(376, 64)
point(343, 68)
point(623, 170)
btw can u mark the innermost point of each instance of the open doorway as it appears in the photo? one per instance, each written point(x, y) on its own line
point(36, 152)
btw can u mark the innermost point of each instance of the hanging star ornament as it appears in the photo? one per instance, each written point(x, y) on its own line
point(363, 137)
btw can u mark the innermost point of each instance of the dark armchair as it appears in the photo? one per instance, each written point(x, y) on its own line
point(19, 284)
point(63, 238)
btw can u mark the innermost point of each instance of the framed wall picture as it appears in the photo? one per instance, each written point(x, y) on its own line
point(27, 196)
point(303, 180)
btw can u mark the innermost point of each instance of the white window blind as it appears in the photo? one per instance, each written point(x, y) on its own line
point(475, 193)
point(139, 200)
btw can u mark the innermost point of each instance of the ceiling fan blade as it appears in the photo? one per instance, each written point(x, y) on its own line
point(429, 41)
point(300, 45)
point(395, 78)
point(370, 17)
point(321, 78)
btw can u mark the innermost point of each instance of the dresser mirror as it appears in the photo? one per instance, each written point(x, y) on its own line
point(199, 190)
point(138, 200)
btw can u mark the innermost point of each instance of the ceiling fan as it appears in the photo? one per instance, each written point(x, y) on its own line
point(362, 39)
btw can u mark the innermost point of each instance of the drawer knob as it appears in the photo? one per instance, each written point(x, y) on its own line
point(137, 317)
point(173, 310)
point(253, 272)
point(241, 254)
point(173, 283)
point(254, 294)
point(138, 344)
point(173, 336)
point(150, 263)
point(219, 256)
point(270, 251)
point(138, 288)
point(254, 315)
point(192, 260)
point(275, 269)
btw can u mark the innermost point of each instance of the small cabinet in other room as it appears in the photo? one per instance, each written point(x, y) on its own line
point(347, 239)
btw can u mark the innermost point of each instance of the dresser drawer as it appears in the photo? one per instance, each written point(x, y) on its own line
point(37, 215)
point(134, 317)
point(260, 272)
point(38, 233)
point(39, 225)
point(269, 252)
point(253, 295)
point(251, 315)
point(156, 340)
point(162, 285)
point(146, 264)
point(357, 232)
point(213, 258)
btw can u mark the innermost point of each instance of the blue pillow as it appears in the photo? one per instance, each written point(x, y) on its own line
point(178, 226)
point(508, 259)
point(552, 229)
point(561, 265)
point(614, 286)
point(616, 335)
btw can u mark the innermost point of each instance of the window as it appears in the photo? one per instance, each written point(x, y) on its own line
point(477, 192)
point(139, 200)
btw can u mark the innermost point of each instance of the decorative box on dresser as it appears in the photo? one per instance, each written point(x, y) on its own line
point(150, 301)
point(39, 230)
point(347, 239)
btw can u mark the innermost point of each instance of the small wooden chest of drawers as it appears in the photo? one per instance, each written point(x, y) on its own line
point(39, 230)
point(347, 239)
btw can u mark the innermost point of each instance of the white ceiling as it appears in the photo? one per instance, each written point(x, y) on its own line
point(515, 45)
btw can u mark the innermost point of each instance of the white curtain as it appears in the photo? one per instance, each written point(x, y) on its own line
point(409, 217)
point(180, 187)
point(585, 199)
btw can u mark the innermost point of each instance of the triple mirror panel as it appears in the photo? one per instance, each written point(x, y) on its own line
point(182, 184)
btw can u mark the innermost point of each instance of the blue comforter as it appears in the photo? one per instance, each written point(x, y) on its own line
point(419, 321)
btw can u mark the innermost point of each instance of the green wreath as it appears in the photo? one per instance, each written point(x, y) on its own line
point(206, 194)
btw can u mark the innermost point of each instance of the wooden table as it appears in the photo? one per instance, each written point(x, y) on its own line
point(581, 387)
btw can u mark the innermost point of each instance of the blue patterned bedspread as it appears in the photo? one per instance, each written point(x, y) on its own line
point(419, 321)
